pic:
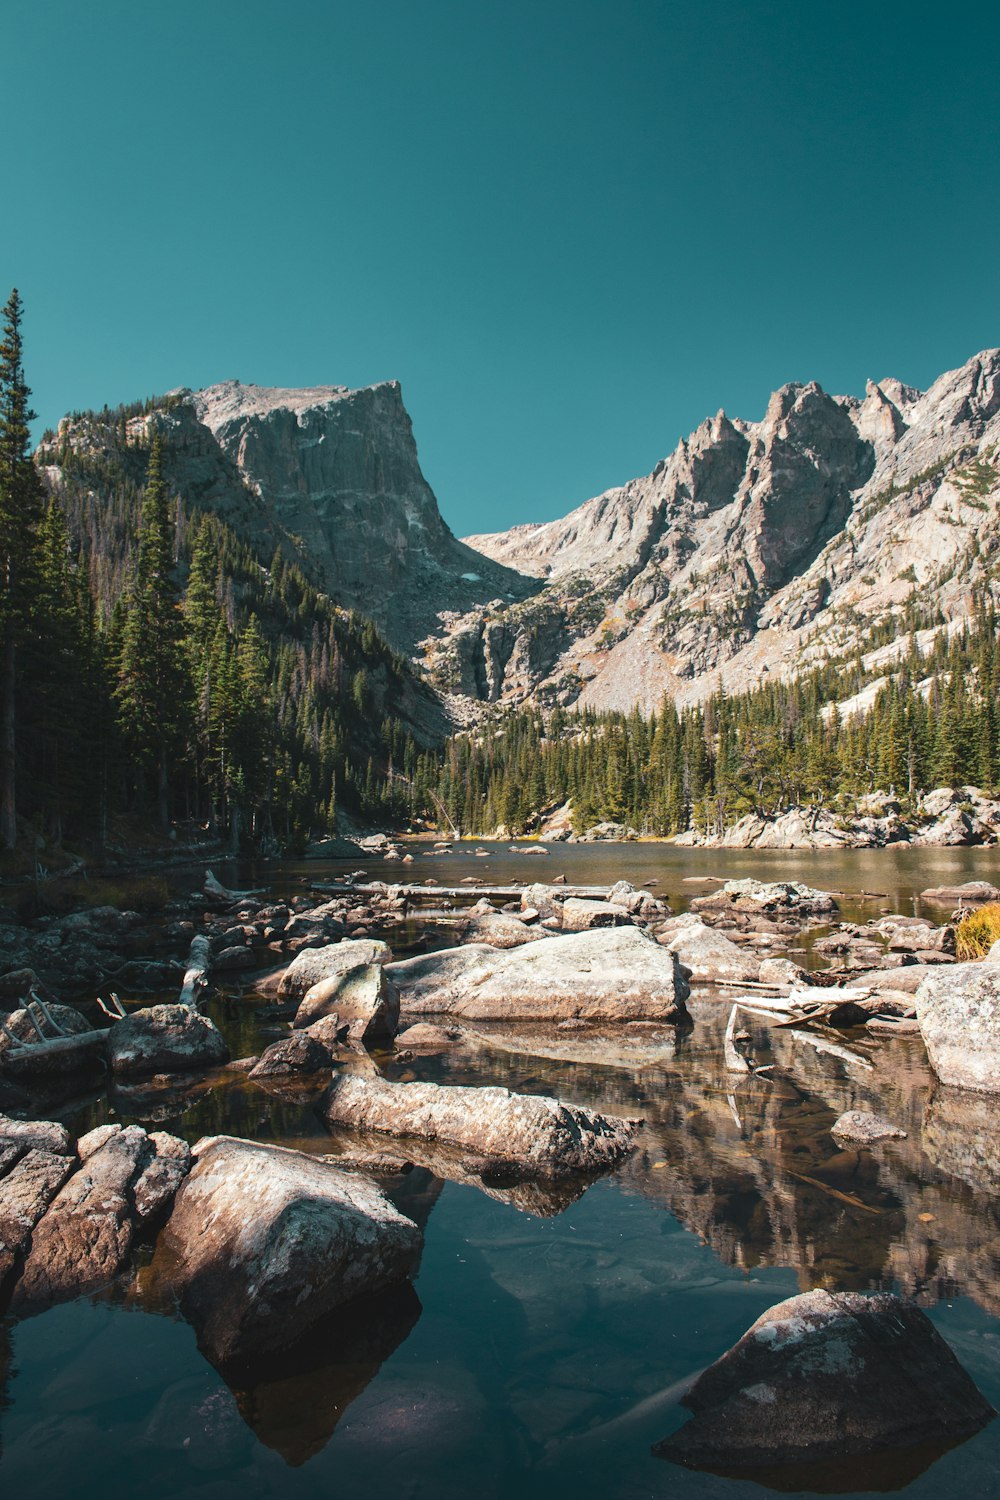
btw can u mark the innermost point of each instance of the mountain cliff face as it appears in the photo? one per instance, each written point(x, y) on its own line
point(754, 548)
point(332, 476)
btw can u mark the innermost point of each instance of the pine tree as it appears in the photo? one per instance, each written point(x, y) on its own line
point(20, 510)
point(154, 690)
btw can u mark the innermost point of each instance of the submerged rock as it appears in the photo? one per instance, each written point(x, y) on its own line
point(542, 1136)
point(863, 1128)
point(164, 1039)
point(958, 1009)
point(263, 1241)
point(825, 1377)
point(617, 974)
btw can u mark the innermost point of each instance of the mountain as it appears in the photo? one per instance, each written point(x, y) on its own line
point(834, 524)
point(754, 548)
point(330, 475)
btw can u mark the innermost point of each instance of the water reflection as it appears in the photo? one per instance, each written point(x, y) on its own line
point(752, 1167)
point(293, 1401)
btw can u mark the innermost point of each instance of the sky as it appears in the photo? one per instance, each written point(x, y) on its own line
point(572, 230)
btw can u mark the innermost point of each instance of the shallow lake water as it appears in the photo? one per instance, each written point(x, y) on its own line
point(548, 1334)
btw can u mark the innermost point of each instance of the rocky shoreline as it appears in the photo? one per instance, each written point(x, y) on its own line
point(604, 976)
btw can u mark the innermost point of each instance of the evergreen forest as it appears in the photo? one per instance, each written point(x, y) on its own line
point(157, 673)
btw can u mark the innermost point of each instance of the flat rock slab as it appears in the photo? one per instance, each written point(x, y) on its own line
point(614, 974)
point(542, 1136)
point(862, 1128)
point(825, 1377)
point(972, 893)
point(315, 964)
point(958, 1009)
point(263, 1241)
point(164, 1039)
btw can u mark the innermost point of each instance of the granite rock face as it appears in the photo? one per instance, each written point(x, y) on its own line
point(252, 1281)
point(754, 547)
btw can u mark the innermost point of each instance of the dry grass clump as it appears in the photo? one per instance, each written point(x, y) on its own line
point(977, 932)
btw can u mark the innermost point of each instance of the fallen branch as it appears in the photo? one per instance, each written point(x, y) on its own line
point(197, 971)
point(734, 1062)
point(219, 892)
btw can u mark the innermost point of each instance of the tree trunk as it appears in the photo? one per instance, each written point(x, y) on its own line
point(162, 789)
point(8, 741)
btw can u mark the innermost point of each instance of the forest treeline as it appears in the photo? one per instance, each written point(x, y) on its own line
point(154, 670)
point(934, 722)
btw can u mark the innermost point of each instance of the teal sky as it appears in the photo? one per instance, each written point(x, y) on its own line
point(570, 229)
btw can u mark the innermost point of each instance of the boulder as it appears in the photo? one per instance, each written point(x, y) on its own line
point(499, 929)
point(362, 998)
point(164, 1039)
point(863, 1129)
point(263, 1241)
point(822, 1378)
point(582, 914)
point(313, 965)
point(617, 974)
point(764, 896)
point(85, 1238)
point(155, 1189)
point(709, 955)
point(299, 1054)
point(541, 1136)
point(21, 1024)
point(958, 1008)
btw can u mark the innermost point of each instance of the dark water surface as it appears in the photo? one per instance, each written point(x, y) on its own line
point(548, 1334)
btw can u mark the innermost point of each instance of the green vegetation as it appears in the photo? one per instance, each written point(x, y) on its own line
point(933, 722)
point(156, 671)
point(977, 932)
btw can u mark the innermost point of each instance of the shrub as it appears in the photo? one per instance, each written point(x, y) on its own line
point(977, 932)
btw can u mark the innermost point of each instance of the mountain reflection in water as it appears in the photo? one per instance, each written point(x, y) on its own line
point(551, 1330)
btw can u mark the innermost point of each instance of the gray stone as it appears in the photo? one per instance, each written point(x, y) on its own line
point(85, 1238)
point(300, 1054)
point(708, 954)
point(824, 1377)
point(314, 965)
point(959, 1013)
point(164, 1039)
point(544, 1137)
point(858, 1126)
point(262, 1242)
point(617, 974)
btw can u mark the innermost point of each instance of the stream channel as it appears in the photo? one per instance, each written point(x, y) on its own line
point(543, 1344)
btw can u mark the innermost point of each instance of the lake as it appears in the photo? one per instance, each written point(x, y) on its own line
point(547, 1336)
